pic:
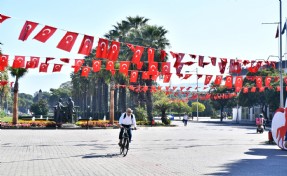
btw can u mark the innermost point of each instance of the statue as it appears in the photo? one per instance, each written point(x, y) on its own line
point(70, 110)
point(58, 112)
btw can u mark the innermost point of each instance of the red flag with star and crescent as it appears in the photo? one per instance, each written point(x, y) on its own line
point(43, 67)
point(102, 49)
point(78, 64)
point(35, 61)
point(238, 82)
point(27, 29)
point(86, 45)
point(165, 68)
point(166, 78)
point(114, 51)
point(45, 33)
point(258, 81)
point(134, 76)
point(137, 54)
point(3, 62)
point(85, 71)
point(207, 79)
point(228, 81)
point(57, 67)
point(150, 55)
point(110, 65)
point(19, 62)
point(97, 65)
point(268, 81)
point(152, 68)
point(67, 42)
point(124, 67)
point(218, 80)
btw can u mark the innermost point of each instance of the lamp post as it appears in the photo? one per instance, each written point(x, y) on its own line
point(280, 53)
point(112, 89)
point(197, 97)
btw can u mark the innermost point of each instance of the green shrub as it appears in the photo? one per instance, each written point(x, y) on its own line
point(141, 114)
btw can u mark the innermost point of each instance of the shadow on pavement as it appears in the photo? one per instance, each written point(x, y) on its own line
point(111, 155)
point(274, 163)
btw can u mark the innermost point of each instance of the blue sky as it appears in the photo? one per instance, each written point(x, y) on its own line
point(221, 28)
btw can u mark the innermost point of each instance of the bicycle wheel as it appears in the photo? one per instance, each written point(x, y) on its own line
point(121, 148)
point(125, 146)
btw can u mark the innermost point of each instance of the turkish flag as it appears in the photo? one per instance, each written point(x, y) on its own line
point(213, 60)
point(186, 76)
point(245, 89)
point(45, 33)
point(3, 18)
point(178, 57)
point(19, 62)
point(162, 55)
point(43, 67)
point(4, 61)
point(131, 47)
point(179, 68)
point(165, 68)
point(49, 58)
point(97, 65)
point(124, 67)
point(86, 45)
point(102, 49)
point(245, 62)
point(253, 69)
point(66, 60)
point(207, 79)
point(145, 75)
point(68, 41)
point(268, 81)
point(110, 65)
point(137, 54)
point(30, 64)
point(27, 29)
point(85, 71)
point(57, 67)
point(276, 78)
point(222, 65)
point(152, 68)
point(200, 61)
point(199, 76)
point(284, 79)
point(166, 78)
point(228, 81)
point(238, 81)
point(150, 55)
point(140, 65)
point(134, 76)
point(78, 64)
point(258, 81)
point(218, 80)
point(35, 61)
point(155, 76)
point(114, 51)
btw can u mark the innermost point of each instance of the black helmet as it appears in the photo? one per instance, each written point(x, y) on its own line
point(261, 115)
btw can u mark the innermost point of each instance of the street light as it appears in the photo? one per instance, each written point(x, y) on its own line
point(280, 53)
point(196, 93)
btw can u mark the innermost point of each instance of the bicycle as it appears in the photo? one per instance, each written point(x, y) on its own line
point(124, 147)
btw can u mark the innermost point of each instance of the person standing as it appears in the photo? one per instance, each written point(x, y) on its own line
point(185, 119)
point(126, 120)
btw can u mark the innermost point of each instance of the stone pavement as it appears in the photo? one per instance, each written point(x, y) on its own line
point(200, 148)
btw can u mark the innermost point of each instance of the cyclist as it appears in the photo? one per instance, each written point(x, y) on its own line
point(127, 119)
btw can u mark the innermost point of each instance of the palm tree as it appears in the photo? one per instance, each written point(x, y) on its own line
point(18, 73)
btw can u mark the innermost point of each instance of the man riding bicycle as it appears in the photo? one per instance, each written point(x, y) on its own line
point(127, 119)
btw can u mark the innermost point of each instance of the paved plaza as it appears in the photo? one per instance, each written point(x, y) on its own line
point(200, 148)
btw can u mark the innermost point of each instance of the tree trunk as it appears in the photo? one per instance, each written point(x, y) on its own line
point(149, 101)
point(15, 104)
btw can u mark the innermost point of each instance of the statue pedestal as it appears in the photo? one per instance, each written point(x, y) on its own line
point(69, 125)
